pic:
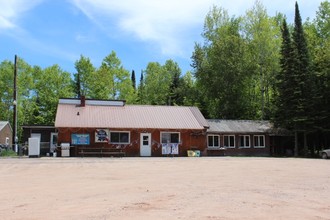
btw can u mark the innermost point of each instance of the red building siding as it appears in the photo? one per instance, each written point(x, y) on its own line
point(189, 139)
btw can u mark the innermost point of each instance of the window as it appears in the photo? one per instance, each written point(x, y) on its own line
point(229, 141)
point(170, 137)
point(244, 141)
point(145, 140)
point(213, 141)
point(121, 137)
point(259, 141)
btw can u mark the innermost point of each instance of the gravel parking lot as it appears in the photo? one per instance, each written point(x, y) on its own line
point(164, 188)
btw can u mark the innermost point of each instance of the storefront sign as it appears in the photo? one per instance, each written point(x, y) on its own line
point(80, 139)
point(101, 136)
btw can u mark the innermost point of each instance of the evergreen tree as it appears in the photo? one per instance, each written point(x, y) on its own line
point(140, 95)
point(133, 80)
point(284, 110)
point(174, 96)
point(319, 36)
point(301, 71)
point(303, 92)
point(294, 85)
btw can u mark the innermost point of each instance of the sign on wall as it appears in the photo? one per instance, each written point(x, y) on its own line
point(80, 139)
point(102, 136)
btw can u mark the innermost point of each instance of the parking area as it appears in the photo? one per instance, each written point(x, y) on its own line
point(164, 188)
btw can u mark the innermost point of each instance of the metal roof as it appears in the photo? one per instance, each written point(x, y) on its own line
point(238, 126)
point(129, 116)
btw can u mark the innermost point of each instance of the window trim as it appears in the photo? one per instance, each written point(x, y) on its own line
point(213, 135)
point(258, 136)
point(129, 137)
point(171, 132)
point(244, 136)
point(224, 137)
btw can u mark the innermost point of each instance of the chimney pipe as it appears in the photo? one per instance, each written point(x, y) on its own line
point(82, 101)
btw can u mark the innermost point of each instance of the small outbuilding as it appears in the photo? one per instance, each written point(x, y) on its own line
point(46, 134)
point(6, 134)
point(109, 128)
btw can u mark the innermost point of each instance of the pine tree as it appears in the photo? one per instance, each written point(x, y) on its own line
point(285, 89)
point(141, 89)
point(301, 71)
point(303, 95)
point(133, 80)
point(294, 84)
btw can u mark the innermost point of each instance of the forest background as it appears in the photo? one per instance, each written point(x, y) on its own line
point(254, 67)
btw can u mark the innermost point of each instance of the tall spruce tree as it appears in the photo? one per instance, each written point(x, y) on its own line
point(140, 95)
point(133, 80)
point(293, 82)
point(285, 89)
point(303, 95)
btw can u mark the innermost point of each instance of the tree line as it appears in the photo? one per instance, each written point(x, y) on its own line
point(39, 89)
point(253, 66)
point(259, 67)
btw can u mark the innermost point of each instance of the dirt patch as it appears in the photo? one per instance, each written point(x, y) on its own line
point(164, 188)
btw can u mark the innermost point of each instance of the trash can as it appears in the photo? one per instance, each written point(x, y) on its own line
point(190, 153)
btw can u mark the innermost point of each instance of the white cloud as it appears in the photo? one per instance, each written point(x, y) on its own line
point(168, 23)
point(11, 10)
point(159, 22)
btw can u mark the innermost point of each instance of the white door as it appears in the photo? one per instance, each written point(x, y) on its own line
point(145, 145)
point(53, 141)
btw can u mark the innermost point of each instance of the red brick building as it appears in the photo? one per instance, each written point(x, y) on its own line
point(100, 127)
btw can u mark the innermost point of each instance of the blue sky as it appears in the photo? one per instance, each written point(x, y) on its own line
point(47, 32)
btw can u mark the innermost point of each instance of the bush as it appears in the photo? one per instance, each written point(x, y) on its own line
point(7, 153)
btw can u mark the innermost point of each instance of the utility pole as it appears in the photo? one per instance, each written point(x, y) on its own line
point(15, 138)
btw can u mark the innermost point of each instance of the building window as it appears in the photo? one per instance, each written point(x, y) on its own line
point(121, 137)
point(229, 141)
point(170, 137)
point(244, 141)
point(213, 141)
point(259, 141)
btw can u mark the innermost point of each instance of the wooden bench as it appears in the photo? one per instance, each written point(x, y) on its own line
point(101, 152)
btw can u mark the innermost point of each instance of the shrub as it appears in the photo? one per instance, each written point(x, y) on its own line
point(7, 153)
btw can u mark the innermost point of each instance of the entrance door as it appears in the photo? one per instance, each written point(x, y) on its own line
point(53, 142)
point(145, 145)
